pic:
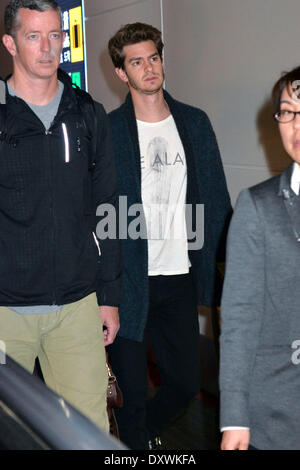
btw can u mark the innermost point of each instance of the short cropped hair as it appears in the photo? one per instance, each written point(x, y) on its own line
point(11, 19)
point(129, 34)
point(289, 80)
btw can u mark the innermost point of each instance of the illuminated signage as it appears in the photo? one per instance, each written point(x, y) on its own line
point(75, 15)
point(73, 54)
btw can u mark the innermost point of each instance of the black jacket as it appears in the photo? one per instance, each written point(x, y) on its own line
point(48, 253)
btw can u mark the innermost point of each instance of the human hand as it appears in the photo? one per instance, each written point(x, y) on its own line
point(110, 319)
point(235, 439)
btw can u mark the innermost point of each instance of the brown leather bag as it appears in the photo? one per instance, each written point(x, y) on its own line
point(114, 399)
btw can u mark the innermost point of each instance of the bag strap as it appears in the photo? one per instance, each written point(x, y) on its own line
point(87, 106)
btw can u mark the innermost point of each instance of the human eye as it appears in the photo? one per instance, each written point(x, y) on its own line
point(55, 35)
point(284, 115)
point(155, 58)
point(135, 63)
point(32, 36)
point(286, 112)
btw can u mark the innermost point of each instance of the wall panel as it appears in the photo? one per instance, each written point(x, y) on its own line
point(224, 57)
point(5, 60)
point(103, 83)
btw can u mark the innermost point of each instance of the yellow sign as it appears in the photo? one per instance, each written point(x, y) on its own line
point(76, 34)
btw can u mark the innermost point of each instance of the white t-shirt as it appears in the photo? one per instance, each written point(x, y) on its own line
point(164, 179)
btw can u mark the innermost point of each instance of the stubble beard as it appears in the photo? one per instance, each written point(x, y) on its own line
point(144, 91)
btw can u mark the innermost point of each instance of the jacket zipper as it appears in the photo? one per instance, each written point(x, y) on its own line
point(48, 134)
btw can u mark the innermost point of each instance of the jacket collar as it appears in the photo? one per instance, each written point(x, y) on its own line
point(285, 183)
point(61, 75)
point(130, 108)
point(68, 100)
point(289, 201)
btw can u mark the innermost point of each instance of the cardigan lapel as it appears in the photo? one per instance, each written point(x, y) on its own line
point(133, 132)
point(192, 193)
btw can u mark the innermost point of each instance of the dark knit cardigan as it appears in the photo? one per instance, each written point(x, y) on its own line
point(205, 185)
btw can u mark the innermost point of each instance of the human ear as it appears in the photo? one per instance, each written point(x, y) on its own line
point(121, 74)
point(10, 44)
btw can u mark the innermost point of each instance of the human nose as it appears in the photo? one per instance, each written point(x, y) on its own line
point(45, 44)
point(148, 65)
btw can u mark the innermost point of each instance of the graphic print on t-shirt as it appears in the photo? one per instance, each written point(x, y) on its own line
point(163, 168)
point(159, 175)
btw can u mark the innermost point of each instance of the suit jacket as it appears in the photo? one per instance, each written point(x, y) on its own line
point(205, 185)
point(260, 316)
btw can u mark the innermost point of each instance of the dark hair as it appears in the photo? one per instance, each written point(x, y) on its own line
point(289, 80)
point(11, 20)
point(132, 34)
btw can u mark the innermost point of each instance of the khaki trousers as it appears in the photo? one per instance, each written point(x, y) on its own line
point(69, 345)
